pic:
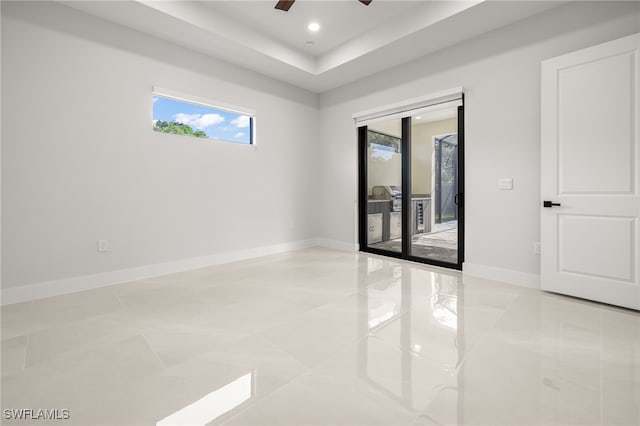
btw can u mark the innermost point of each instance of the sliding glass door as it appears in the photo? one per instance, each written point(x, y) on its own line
point(412, 185)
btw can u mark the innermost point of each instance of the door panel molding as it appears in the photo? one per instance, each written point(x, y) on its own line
point(590, 153)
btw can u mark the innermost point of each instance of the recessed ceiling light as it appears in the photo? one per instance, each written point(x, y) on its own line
point(418, 118)
point(313, 27)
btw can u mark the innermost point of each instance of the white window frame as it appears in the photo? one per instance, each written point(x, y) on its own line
point(199, 100)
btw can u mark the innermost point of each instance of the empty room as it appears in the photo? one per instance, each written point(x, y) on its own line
point(349, 212)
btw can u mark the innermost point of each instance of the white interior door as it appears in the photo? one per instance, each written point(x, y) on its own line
point(590, 157)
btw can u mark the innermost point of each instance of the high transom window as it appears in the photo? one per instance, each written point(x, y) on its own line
point(191, 116)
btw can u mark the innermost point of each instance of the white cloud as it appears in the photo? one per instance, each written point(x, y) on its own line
point(155, 99)
point(199, 121)
point(238, 135)
point(241, 121)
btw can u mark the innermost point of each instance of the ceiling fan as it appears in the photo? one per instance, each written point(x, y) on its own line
point(286, 4)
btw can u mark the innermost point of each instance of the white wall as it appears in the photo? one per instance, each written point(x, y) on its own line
point(500, 72)
point(80, 161)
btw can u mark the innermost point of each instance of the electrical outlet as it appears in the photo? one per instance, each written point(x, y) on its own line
point(536, 248)
point(103, 245)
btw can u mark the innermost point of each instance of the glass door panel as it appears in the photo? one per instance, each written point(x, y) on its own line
point(411, 185)
point(384, 185)
point(434, 186)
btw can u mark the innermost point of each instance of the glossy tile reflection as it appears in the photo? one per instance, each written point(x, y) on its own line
point(321, 337)
point(213, 405)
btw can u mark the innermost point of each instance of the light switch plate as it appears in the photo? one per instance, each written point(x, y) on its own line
point(505, 183)
point(103, 246)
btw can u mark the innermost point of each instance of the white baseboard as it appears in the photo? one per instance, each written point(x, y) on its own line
point(508, 276)
point(87, 282)
point(337, 245)
point(41, 290)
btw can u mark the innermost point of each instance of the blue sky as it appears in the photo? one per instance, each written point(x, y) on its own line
point(217, 124)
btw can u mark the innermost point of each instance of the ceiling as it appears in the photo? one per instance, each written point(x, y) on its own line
point(340, 21)
point(354, 40)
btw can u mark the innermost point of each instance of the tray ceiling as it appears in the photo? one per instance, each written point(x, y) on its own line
point(354, 40)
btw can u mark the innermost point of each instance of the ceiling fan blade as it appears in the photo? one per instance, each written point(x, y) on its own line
point(286, 4)
point(365, 2)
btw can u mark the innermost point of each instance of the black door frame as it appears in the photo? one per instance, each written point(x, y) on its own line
point(406, 196)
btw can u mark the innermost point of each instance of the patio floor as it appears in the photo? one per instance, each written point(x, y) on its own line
point(441, 244)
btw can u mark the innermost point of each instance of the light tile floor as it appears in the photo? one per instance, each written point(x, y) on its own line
point(319, 337)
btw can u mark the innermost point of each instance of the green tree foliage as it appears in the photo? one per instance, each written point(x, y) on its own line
point(177, 128)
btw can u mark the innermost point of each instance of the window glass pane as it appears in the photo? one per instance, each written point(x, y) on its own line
point(434, 185)
point(384, 180)
point(191, 119)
